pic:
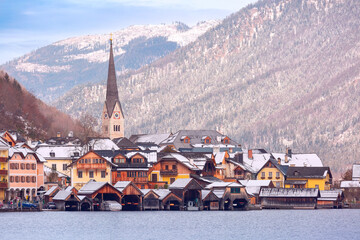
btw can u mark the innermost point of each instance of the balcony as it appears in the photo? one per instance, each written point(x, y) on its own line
point(91, 165)
point(3, 159)
point(3, 185)
point(169, 172)
point(131, 165)
point(136, 179)
point(3, 172)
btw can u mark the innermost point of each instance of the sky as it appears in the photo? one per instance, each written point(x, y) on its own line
point(27, 25)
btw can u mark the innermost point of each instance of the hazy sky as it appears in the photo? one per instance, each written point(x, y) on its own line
point(29, 24)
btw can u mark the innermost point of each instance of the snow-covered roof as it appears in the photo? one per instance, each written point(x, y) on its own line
point(289, 192)
point(219, 192)
point(223, 185)
point(59, 151)
point(50, 191)
point(4, 145)
point(181, 158)
point(121, 185)
point(102, 144)
point(180, 183)
point(62, 195)
point(350, 184)
point(91, 187)
point(300, 159)
point(205, 193)
point(149, 138)
point(255, 183)
point(219, 156)
point(329, 195)
point(25, 152)
point(162, 193)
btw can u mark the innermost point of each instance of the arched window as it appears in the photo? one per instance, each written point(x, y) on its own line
point(33, 179)
point(28, 166)
point(11, 178)
point(27, 179)
point(22, 166)
point(17, 179)
point(22, 179)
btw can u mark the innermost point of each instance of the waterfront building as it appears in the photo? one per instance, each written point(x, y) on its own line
point(131, 195)
point(48, 196)
point(67, 201)
point(4, 156)
point(272, 170)
point(253, 188)
point(210, 200)
point(289, 198)
point(189, 190)
point(112, 117)
point(308, 177)
point(330, 199)
point(26, 173)
point(232, 195)
point(90, 166)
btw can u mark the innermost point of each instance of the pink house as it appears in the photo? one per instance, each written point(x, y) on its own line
point(26, 173)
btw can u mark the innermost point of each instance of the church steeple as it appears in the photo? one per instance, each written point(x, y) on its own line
point(112, 95)
point(112, 116)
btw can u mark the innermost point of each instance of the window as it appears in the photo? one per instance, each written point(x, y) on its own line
point(270, 174)
point(235, 190)
point(76, 154)
point(64, 167)
point(33, 166)
point(28, 166)
point(17, 179)
point(80, 174)
point(91, 174)
point(52, 154)
point(22, 179)
point(174, 167)
point(277, 184)
point(27, 179)
point(11, 178)
point(22, 166)
point(154, 177)
point(263, 174)
point(33, 179)
point(102, 174)
point(166, 167)
point(277, 175)
point(172, 180)
point(53, 167)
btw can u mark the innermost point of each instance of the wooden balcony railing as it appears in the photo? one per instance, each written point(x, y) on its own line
point(169, 172)
point(91, 165)
point(3, 159)
point(136, 179)
point(3, 185)
point(3, 172)
point(131, 165)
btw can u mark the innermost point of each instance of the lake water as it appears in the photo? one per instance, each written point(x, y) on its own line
point(265, 224)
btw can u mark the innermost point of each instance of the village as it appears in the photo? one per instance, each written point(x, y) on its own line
point(185, 170)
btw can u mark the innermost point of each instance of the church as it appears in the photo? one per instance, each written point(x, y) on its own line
point(112, 117)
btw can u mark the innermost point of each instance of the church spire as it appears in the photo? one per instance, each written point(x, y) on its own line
point(112, 95)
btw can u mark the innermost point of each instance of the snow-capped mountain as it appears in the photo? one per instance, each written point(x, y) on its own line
point(54, 69)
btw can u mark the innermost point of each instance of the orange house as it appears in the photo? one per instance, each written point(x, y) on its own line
point(26, 173)
point(131, 166)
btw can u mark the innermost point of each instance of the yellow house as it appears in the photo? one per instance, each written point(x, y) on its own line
point(308, 177)
point(58, 157)
point(4, 157)
point(273, 171)
point(90, 166)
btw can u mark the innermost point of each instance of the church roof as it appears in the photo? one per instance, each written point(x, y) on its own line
point(112, 95)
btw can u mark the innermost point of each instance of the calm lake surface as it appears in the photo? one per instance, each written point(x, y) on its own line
point(265, 224)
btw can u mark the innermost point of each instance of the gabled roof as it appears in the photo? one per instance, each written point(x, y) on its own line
point(60, 151)
point(308, 172)
point(180, 158)
point(196, 139)
point(4, 145)
point(182, 183)
point(282, 168)
point(300, 159)
point(122, 185)
point(24, 152)
point(124, 143)
point(330, 195)
point(163, 193)
point(91, 187)
point(63, 195)
point(51, 190)
point(289, 192)
point(149, 138)
point(223, 185)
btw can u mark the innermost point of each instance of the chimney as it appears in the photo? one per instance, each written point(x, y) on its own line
point(58, 134)
point(250, 154)
point(279, 161)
